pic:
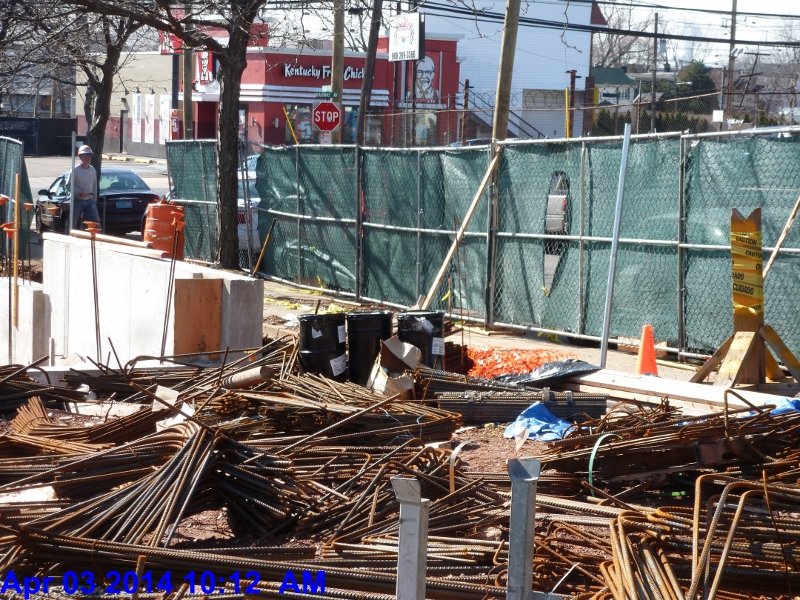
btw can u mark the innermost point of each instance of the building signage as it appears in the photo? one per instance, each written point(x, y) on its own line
point(406, 37)
point(291, 70)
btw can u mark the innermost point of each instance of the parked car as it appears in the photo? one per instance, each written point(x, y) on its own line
point(122, 199)
point(248, 194)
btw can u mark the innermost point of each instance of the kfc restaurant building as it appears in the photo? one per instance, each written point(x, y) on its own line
point(280, 87)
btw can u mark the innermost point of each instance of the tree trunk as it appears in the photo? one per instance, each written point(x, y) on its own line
point(101, 109)
point(232, 65)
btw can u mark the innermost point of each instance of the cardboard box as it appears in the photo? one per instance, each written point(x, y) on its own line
point(388, 373)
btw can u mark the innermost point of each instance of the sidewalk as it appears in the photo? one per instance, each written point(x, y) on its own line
point(145, 160)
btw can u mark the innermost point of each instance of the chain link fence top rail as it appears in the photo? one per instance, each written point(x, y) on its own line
point(555, 215)
point(12, 163)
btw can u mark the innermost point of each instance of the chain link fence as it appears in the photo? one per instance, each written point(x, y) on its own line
point(12, 163)
point(537, 256)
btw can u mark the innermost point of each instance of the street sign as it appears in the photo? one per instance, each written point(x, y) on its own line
point(324, 94)
point(327, 116)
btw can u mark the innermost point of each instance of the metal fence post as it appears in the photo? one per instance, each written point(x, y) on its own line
point(299, 218)
point(612, 262)
point(413, 543)
point(524, 474)
point(359, 224)
point(681, 251)
point(419, 222)
point(581, 242)
point(491, 237)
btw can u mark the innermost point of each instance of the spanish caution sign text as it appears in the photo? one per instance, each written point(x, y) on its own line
point(748, 281)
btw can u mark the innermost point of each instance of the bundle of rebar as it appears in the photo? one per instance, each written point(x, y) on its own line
point(477, 407)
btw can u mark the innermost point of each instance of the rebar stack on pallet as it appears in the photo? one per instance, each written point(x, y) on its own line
point(299, 469)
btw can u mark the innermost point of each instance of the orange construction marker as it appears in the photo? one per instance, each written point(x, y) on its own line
point(646, 361)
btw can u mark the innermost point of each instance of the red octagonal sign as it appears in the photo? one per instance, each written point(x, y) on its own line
point(327, 116)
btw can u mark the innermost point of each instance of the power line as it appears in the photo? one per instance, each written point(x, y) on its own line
point(449, 11)
point(709, 11)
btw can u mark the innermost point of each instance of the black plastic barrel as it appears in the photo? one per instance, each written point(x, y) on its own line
point(322, 345)
point(365, 331)
point(425, 330)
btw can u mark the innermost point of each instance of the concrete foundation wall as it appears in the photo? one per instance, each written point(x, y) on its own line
point(132, 298)
point(29, 337)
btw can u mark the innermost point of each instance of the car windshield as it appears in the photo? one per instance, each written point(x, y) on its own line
point(121, 181)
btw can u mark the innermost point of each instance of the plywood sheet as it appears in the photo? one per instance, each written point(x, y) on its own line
point(198, 315)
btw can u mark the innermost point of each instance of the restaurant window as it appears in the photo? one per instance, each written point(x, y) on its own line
point(306, 133)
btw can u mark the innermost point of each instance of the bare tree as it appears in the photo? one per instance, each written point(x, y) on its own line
point(613, 50)
point(222, 27)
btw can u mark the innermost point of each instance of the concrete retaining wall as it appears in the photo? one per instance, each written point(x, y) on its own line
point(132, 297)
point(29, 338)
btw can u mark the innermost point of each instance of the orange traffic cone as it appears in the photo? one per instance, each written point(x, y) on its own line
point(646, 361)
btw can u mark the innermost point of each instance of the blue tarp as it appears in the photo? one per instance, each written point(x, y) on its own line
point(540, 423)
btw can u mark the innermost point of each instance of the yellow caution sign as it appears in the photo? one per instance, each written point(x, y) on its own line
point(746, 268)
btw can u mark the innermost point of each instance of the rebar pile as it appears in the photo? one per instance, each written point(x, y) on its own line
point(299, 469)
point(502, 407)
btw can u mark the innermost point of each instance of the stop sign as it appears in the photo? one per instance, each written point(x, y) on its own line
point(327, 116)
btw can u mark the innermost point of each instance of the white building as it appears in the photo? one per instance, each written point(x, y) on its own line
point(545, 54)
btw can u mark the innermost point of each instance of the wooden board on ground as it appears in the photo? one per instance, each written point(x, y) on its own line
point(654, 389)
point(198, 315)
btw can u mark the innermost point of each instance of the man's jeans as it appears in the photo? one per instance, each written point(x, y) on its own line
point(85, 210)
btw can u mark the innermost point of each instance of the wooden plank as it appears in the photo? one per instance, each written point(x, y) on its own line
point(738, 356)
point(781, 351)
point(772, 368)
point(610, 382)
point(712, 363)
point(198, 316)
point(782, 237)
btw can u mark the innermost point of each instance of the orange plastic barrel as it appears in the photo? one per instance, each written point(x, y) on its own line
point(160, 227)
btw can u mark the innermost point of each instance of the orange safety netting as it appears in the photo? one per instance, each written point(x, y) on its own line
point(491, 363)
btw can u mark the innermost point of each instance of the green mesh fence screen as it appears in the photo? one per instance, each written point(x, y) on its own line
point(414, 202)
point(311, 194)
point(537, 278)
point(193, 173)
point(646, 288)
point(555, 203)
point(742, 173)
point(12, 163)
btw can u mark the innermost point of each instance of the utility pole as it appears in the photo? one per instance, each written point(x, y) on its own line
point(503, 95)
point(369, 70)
point(573, 75)
point(731, 57)
point(653, 91)
point(337, 64)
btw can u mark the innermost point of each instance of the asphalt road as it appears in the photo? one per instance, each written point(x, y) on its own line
point(42, 171)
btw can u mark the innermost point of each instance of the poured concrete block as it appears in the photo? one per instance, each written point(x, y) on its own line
point(133, 293)
point(28, 338)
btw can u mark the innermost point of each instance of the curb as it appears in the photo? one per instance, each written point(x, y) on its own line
point(135, 159)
